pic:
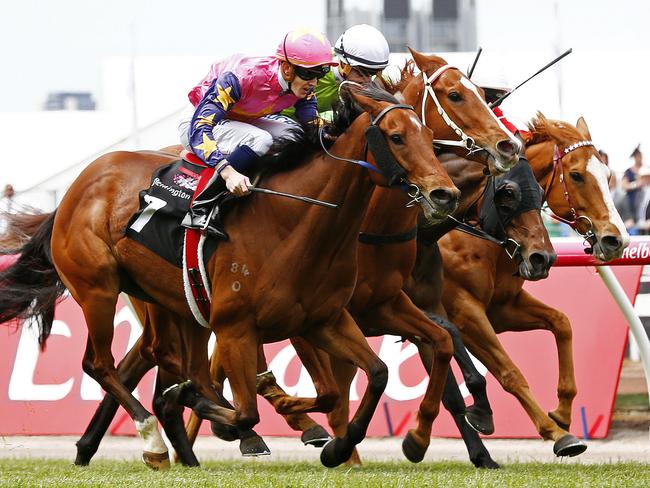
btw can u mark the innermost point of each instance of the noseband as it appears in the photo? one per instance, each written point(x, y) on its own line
point(589, 235)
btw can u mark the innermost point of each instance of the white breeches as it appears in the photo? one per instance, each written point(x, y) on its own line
point(257, 134)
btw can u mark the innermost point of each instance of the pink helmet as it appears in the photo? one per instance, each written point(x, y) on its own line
point(306, 47)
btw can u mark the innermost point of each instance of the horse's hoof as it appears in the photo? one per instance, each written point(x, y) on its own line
point(315, 436)
point(156, 461)
point(558, 422)
point(81, 461)
point(83, 458)
point(485, 462)
point(253, 446)
point(479, 421)
point(224, 432)
point(333, 453)
point(569, 445)
point(413, 451)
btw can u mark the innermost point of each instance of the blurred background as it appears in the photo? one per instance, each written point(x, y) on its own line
point(83, 77)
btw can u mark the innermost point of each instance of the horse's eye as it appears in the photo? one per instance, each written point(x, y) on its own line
point(577, 177)
point(396, 138)
point(454, 96)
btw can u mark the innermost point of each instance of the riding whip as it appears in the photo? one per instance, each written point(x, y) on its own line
point(471, 70)
point(498, 101)
point(313, 201)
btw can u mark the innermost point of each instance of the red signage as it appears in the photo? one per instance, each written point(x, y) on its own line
point(48, 393)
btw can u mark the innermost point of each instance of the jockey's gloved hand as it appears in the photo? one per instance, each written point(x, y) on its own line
point(236, 183)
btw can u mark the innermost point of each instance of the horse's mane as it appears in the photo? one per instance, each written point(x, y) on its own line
point(406, 75)
point(543, 129)
point(290, 152)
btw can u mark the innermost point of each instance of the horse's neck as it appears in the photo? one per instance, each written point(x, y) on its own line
point(381, 218)
point(330, 180)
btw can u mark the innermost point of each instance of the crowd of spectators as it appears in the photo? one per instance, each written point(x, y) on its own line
point(632, 196)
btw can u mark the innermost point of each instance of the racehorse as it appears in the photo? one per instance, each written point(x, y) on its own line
point(378, 304)
point(465, 116)
point(483, 293)
point(300, 262)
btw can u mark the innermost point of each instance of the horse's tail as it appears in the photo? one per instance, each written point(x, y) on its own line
point(19, 227)
point(30, 287)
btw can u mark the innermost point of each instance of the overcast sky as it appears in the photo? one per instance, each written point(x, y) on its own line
point(61, 45)
point(58, 45)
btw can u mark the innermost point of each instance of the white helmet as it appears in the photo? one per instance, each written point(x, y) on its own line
point(363, 45)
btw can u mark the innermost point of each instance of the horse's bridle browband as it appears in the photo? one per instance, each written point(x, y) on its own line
point(466, 141)
point(557, 163)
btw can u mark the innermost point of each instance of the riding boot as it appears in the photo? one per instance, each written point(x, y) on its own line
point(202, 212)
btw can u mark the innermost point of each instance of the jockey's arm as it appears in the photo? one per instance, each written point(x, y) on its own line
point(222, 95)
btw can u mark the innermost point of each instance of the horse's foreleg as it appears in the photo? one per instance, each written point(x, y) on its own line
point(400, 317)
point(171, 417)
point(317, 364)
point(479, 415)
point(528, 313)
point(199, 393)
point(344, 341)
point(454, 403)
point(481, 339)
point(237, 349)
point(131, 370)
point(339, 417)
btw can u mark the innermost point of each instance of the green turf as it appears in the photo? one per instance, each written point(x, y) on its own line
point(632, 401)
point(25, 472)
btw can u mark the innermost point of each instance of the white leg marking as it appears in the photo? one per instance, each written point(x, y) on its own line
point(153, 441)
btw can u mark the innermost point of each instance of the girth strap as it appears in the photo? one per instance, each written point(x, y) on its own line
point(377, 239)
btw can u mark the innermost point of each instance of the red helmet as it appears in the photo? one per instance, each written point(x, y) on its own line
point(305, 47)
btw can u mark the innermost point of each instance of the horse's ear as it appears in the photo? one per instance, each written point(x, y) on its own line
point(367, 104)
point(581, 125)
point(420, 59)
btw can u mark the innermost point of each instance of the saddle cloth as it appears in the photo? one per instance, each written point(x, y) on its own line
point(157, 226)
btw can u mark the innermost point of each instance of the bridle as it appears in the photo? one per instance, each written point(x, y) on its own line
point(466, 142)
point(589, 235)
point(388, 167)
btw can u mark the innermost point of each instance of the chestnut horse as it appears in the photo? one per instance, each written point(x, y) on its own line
point(378, 304)
point(465, 116)
point(300, 262)
point(482, 293)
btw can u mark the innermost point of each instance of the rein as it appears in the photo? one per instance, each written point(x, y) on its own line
point(466, 141)
point(388, 167)
point(575, 218)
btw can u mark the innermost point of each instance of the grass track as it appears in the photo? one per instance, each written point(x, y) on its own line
point(30, 472)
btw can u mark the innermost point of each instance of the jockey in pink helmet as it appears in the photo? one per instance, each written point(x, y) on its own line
point(234, 110)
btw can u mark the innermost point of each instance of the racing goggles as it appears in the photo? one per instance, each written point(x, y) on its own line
point(311, 73)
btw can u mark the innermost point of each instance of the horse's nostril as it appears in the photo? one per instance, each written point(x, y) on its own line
point(537, 261)
point(507, 148)
point(611, 243)
point(441, 196)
